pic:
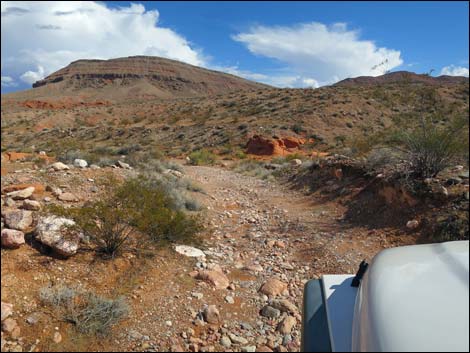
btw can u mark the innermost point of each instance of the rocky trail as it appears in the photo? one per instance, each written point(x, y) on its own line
point(263, 242)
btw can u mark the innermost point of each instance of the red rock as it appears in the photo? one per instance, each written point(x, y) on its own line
point(262, 146)
point(38, 188)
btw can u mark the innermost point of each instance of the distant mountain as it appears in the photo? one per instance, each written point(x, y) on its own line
point(401, 77)
point(136, 77)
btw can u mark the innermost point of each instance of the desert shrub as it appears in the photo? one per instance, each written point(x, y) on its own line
point(287, 159)
point(140, 205)
point(253, 168)
point(90, 313)
point(202, 157)
point(429, 148)
point(297, 128)
point(125, 150)
point(379, 158)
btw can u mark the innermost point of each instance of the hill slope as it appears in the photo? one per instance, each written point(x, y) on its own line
point(135, 77)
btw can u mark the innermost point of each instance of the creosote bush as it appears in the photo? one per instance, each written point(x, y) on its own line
point(429, 149)
point(202, 157)
point(139, 206)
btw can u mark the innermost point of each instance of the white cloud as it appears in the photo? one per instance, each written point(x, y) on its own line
point(318, 54)
point(33, 76)
point(455, 71)
point(39, 38)
point(7, 81)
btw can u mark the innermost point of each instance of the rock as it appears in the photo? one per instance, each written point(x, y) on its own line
point(59, 166)
point(9, 202)
point(263, 349)
point(56, 191)
point(58, 233)
point(270, 312)
point(57, 337)
point(68, 197)
point(123, 165)
point(80, 163)
point(21, 194)
point(229, 299)
point(12, 238)
point(216, 278)
point(453, 181)
point(225, 342)
point(33, 319)
point(286, 325)
point(211, 314)
point(7, 310)
point(237, 339)
point(284, 306)
point(31, 205)
point(295, 162)
point(189, 251)
point(18, 219)
point(273, 287)
point(413, 224)
point(198, 296)
point(249, 349)
point(443, 191)
point(94, 166)
point(10, 326)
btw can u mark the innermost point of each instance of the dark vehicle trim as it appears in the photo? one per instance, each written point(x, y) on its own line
point(315, 331)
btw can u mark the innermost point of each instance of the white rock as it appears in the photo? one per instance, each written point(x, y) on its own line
point(189, 251)
point(56, 233)
point(21, 194)
point(60, 166)
point(296, 162)
point(413, 224)
point(80, 163)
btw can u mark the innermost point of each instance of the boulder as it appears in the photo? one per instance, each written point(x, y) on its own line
point(59, 234)
point(273, 287)
point(215, 278)
point(80, 163)
point(12, 238)
point(262, 146)
point(21, 194)
point(18, 219)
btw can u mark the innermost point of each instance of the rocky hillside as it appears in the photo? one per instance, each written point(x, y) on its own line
point(403, 77)
point(136, 77)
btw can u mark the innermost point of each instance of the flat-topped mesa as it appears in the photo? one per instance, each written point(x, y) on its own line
point(168, 77)
point(402, 77)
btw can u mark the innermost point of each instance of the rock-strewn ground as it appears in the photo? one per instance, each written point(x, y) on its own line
point(261, 235)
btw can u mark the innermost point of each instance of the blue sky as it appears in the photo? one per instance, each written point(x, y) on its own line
point(287, 44)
